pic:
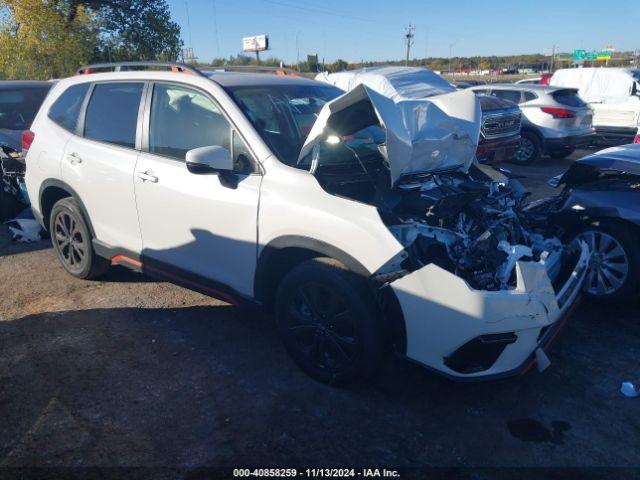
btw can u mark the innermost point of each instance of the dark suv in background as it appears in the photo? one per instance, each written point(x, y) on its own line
point(19, 103)
point(500, 132)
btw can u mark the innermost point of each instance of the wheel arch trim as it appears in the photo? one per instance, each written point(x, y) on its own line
point(313, 245)
point(53, 182)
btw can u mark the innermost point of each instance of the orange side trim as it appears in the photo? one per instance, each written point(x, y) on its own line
point(123, 258)
point(216, 293)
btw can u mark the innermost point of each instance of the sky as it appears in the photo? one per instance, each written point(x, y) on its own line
point(356, 30)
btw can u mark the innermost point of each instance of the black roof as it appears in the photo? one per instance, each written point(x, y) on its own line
point(233, 79)
point(13, 84)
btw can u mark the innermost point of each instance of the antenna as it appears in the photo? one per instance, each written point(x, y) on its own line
point(408, 39)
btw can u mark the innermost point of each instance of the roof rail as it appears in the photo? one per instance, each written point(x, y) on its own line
point(142, 65)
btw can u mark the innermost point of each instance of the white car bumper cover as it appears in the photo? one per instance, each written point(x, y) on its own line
point(442, 313)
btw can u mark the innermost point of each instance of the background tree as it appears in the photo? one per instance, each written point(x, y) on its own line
point(38, 42)
point(131, 29)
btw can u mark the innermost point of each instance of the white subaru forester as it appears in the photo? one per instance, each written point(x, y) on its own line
point(364, 222)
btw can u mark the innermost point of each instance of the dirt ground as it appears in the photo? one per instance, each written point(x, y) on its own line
point(131, 372)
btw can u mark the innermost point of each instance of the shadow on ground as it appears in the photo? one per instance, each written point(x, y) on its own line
point(204, 386)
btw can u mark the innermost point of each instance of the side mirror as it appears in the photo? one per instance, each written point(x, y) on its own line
point(209, 160)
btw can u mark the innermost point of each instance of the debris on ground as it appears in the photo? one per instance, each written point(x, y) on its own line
point(628, 389)
point(25, 228)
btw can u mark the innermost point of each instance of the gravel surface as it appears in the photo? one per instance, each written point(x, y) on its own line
point(127, 371)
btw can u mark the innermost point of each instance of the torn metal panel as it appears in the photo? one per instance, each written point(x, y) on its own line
point(437, 134)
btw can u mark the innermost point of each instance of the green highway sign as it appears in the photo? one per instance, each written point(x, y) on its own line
point(579, 54)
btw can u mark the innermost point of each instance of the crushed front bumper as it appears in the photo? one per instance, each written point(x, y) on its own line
point(469, 334)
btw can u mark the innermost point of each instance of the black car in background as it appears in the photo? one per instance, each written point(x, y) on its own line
point(600, 204)
point(500, 130)
point(19, 103)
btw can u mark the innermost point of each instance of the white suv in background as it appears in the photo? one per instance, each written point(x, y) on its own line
point(555, 121)
point(363, 233)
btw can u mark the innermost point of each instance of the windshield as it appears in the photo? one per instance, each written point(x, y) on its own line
point(283, 114)
point(18, 107)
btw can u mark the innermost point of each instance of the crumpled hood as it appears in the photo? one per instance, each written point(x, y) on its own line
point(436, 134)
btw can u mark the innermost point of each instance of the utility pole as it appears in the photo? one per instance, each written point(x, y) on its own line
point(408, 39)
point(450, 55)
point(297, 52)
point(553, 58)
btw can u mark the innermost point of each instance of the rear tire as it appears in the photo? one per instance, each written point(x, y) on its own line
point(72, 241)
point(614, 268)
point(330, 322)
point(529, 151)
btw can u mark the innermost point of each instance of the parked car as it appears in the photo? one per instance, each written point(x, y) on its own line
point(19, 103)
point(614, 96)
point(555, 121)
point(600, 204)
point(365, 224)
point(500, 131)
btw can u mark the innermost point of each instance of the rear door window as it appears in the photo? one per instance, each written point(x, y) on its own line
point(511, 95)
point(569, 98)
point(112, 113)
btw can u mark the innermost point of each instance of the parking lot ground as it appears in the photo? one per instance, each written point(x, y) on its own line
point(127, 371)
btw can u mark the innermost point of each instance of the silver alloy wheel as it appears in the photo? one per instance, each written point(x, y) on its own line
point(69, 241)
point(525, 152)
point(608, 265)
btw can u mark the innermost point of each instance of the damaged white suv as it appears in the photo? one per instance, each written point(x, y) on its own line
point(365, 224)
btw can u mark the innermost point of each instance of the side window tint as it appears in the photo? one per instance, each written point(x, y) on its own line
point(242, 158)
point(183, 119)
point(66, 109)
point(112, 114)
point(528, 96)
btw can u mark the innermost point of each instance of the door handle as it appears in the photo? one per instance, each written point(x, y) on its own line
point(147, 176)
point(74, 158)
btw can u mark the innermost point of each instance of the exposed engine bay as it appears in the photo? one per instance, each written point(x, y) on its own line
point(467, 223)
point(414, 161)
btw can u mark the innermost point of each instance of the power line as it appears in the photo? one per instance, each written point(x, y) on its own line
point(215, 27)
point(322, 11)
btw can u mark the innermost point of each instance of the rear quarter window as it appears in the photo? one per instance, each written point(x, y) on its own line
point(511, 95)
point(66, 109)
point(569, 98)
point(528, 96)
point(112, 113)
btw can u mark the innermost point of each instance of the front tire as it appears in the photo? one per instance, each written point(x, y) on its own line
point(329, 322)
point(529, 151)
point(614, 267)
point(72, 241)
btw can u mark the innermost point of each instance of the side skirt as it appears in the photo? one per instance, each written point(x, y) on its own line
point(165, 272)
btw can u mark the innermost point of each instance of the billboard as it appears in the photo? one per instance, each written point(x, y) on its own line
point(257, 43)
